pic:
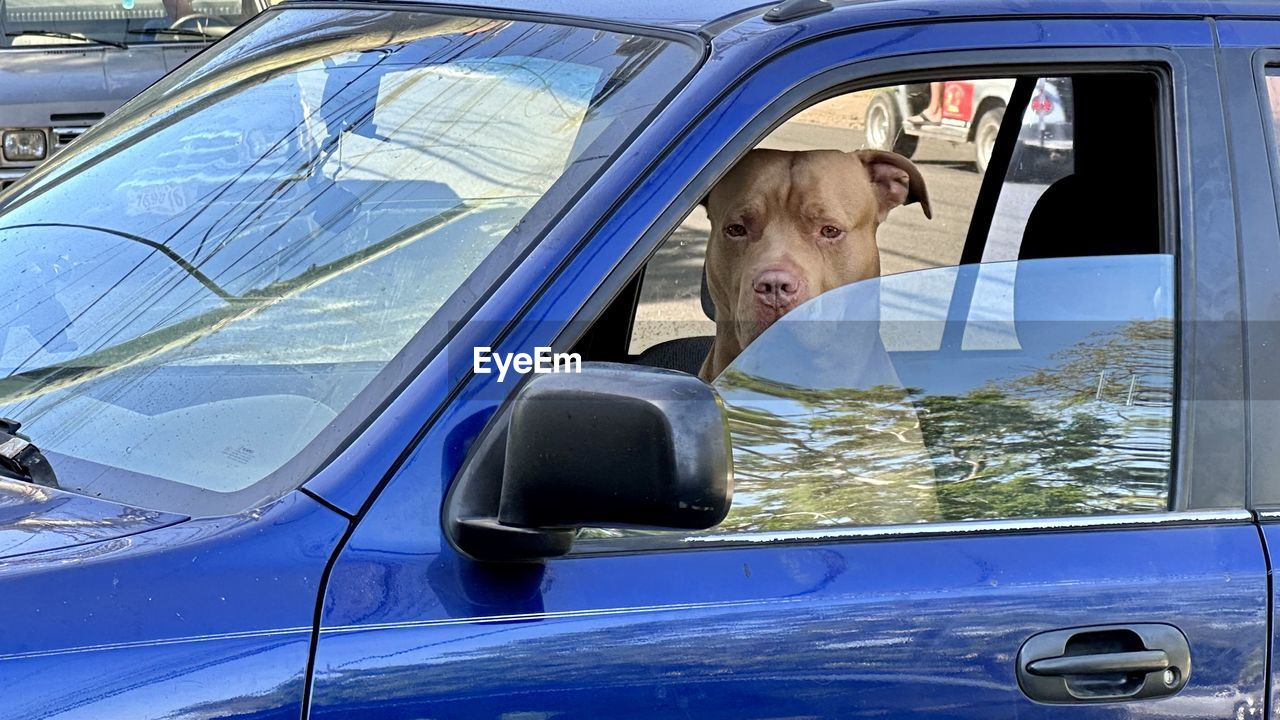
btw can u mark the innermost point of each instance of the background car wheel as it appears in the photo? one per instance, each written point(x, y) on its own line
point(984, 137)
point(883, 126)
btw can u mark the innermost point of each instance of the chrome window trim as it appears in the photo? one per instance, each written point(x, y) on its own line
point(964, 528)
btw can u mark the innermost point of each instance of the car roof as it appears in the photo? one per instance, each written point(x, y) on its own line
point(711, 16)
point(687, 15)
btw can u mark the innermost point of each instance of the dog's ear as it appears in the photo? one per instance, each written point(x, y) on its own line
point(892, 189)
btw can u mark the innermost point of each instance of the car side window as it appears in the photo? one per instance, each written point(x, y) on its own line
point(831, 428)
point(1038, 382)
point(952, 157)
point(1273, 101)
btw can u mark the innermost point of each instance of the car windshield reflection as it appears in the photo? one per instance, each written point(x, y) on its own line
point(277, 223)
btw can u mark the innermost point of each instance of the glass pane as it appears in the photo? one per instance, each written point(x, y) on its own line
point(945, 154)
point(832, 429)
point(1273, 97)
point(272, 225)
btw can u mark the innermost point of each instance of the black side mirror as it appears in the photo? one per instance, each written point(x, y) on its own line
point(611, 446)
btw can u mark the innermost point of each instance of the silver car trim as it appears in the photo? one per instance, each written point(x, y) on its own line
point(890, 532)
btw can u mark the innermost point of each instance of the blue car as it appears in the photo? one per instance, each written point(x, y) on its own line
point(351, 370)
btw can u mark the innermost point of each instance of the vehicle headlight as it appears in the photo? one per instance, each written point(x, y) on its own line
point(24, 145)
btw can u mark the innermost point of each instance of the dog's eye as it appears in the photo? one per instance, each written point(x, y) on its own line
point(735, 230)
point(831, 232)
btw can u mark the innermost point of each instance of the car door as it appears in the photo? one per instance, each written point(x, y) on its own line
point(1251, 83)
point(1070, 593)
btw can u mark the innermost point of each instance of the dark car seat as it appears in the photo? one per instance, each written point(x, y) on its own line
point(1110, 204)
point(1078, 217)
point(683, 354)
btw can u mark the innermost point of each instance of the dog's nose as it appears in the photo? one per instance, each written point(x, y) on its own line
point(776, 288)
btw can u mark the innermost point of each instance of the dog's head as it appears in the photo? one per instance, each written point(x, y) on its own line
point(787, 226)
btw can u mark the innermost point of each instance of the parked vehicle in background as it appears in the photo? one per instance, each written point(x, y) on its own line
point(971, 113)
point(65, 64)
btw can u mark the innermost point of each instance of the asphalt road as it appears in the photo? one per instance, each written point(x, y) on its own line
point(669, 305)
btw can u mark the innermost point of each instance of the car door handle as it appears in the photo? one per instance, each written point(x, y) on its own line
point(1138, 661)
point(1104, 663)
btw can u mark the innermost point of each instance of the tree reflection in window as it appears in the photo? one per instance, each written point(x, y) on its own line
point(1090, 433)
point(1024, 389)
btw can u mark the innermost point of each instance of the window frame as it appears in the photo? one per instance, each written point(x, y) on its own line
point(1190, 502)
point(1254, 157)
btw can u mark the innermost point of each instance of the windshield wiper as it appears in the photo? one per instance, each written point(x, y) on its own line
point(68, 36)
point(20, 460)
point(180, 32)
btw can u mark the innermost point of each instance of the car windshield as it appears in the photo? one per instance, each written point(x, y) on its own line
point(57, 22)
point(210, 292)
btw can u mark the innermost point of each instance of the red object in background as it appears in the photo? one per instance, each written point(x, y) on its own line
point(957, 101)
point(1042, 104)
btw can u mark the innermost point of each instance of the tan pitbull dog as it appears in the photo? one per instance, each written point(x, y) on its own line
point(787, 226)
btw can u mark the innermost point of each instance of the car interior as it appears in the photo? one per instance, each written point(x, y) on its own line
point(1110, 203)
point(1102, 208)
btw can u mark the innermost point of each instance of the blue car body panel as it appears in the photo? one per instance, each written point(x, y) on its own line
point(34, 519)
point(208, 616)
point(151, 615)
point(821, 631)
point(1247, 46)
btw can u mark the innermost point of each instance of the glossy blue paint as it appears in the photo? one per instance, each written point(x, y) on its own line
point(125, 613)
point(925, 628)
point(723, 13)
point(207, 616)
point(1271, 539)
point(1249, 48)
point(1249, 34)
point(34, 519)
